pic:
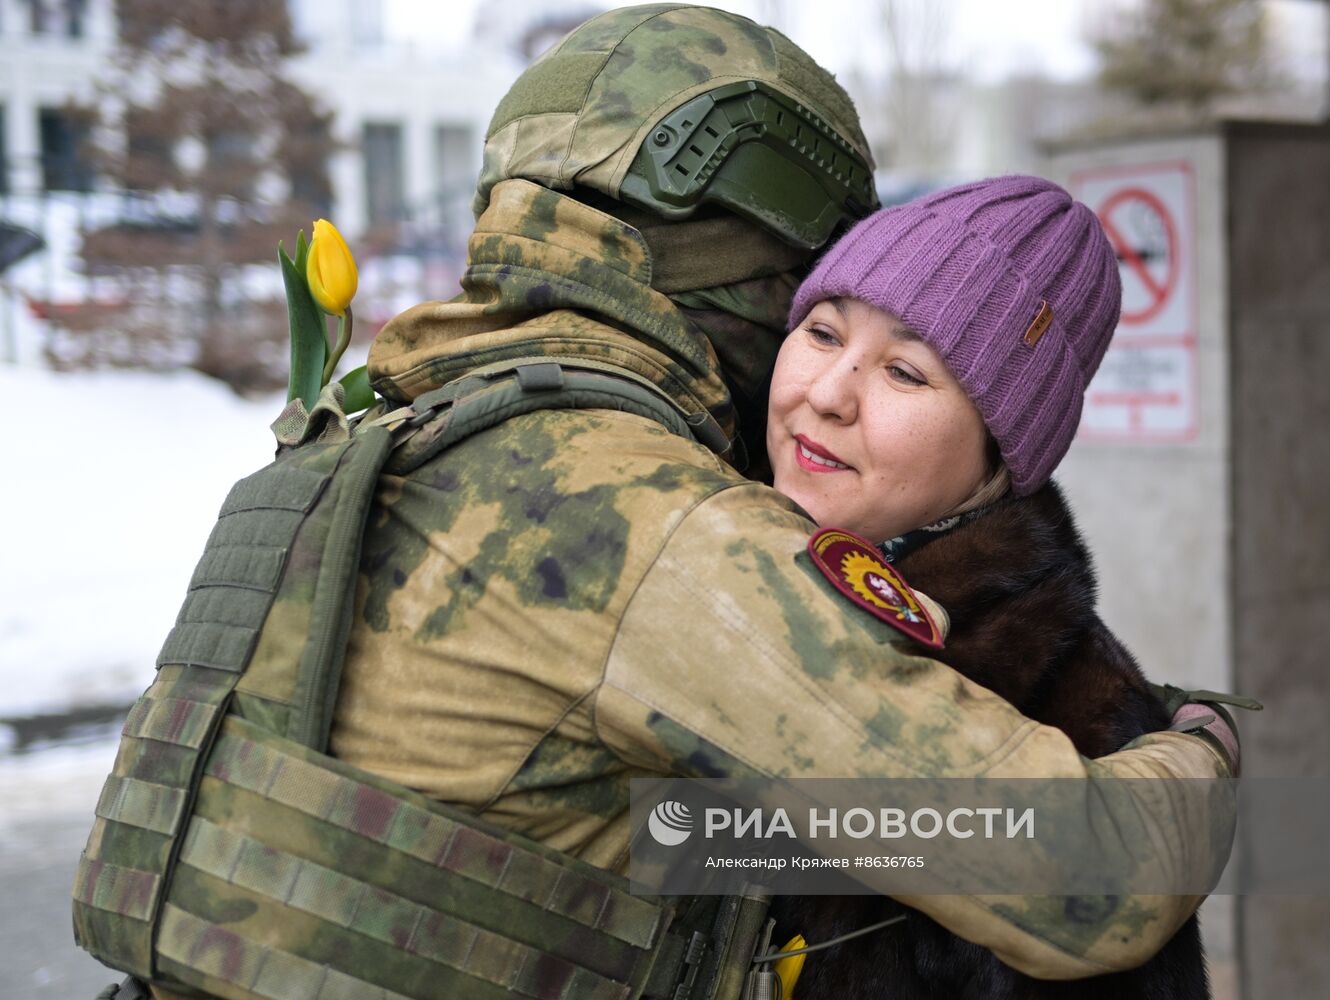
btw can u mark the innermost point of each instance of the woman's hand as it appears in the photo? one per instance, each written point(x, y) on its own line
point(1190, 706)
point(1187, 718)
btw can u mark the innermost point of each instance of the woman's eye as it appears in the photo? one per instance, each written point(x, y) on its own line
point(902, 375)
point(822, 335)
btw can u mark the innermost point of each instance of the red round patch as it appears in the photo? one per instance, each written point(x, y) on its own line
point(856, 568)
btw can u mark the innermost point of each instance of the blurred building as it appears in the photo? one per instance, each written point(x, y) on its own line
point(410, 124)
point(49, 51)
point(413, 119)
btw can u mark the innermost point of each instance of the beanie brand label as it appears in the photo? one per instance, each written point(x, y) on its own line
point(856, 568)
point(1042, 320)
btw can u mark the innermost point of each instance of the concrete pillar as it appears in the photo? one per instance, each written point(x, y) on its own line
point(1279, 342)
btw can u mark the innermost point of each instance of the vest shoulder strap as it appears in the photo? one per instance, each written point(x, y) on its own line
point(438, 419)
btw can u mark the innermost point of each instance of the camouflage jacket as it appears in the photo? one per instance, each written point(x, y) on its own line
point(574, 598)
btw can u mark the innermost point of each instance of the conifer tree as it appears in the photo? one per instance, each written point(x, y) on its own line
point(1188, 52)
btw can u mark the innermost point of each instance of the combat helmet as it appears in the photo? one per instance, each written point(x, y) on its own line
point(669, 107)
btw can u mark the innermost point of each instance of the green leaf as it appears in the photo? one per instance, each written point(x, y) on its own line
point(359, 396)
point(302, 252)
point(309, 335)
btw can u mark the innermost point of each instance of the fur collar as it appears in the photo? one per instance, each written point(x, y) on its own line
point(1019, 586)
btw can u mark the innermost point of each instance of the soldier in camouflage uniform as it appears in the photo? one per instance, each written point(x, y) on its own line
point(577, 597)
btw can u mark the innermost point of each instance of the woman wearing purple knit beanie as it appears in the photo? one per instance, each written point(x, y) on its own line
point(931, 381)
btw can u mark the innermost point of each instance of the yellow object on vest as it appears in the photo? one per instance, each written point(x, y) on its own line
point(788, 969)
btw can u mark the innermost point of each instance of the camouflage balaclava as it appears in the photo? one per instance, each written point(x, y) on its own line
point(733, 153)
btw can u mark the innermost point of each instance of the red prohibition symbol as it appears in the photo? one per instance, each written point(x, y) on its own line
point(1157, 292)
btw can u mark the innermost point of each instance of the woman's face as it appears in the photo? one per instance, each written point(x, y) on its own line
point(867, 429)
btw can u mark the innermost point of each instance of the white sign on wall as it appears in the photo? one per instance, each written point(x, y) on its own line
point(1146, 388)
point(1143, 392)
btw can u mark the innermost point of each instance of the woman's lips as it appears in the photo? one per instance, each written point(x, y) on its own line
point(812, 457)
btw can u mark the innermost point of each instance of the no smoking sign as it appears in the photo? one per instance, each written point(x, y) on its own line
point(1145, 240)
point(1146, 387)
point(1146, 212)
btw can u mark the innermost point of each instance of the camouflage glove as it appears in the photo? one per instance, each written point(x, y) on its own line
point(1201, 713)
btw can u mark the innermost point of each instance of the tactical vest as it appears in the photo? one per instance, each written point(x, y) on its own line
point(232, 855)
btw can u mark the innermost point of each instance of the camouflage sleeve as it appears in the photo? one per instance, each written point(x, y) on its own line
point(811, 686)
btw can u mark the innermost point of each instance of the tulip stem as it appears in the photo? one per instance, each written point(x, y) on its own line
point(343, 339)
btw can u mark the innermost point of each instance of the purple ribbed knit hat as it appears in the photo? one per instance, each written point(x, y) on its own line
point(1012, 282)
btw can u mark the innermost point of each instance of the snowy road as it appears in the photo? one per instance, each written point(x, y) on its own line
point(46, 804)
point(99, 529)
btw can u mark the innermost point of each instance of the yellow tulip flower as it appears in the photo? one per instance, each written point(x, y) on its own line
point(788, 969)
point(330, 270)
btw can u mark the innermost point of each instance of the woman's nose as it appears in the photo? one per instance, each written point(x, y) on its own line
point(834, 391)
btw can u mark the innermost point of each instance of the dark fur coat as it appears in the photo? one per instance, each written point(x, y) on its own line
point(1019, 587)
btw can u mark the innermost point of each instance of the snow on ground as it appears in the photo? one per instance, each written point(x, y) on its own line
point(61, 781)
point(112, 483)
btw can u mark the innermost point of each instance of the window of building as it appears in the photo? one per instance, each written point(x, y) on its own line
point(455, 163)
point(385, 179)
point(64, 138)
point(76, 14)
point(58, 17)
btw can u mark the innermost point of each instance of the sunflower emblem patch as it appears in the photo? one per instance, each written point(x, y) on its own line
point(856, 568)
